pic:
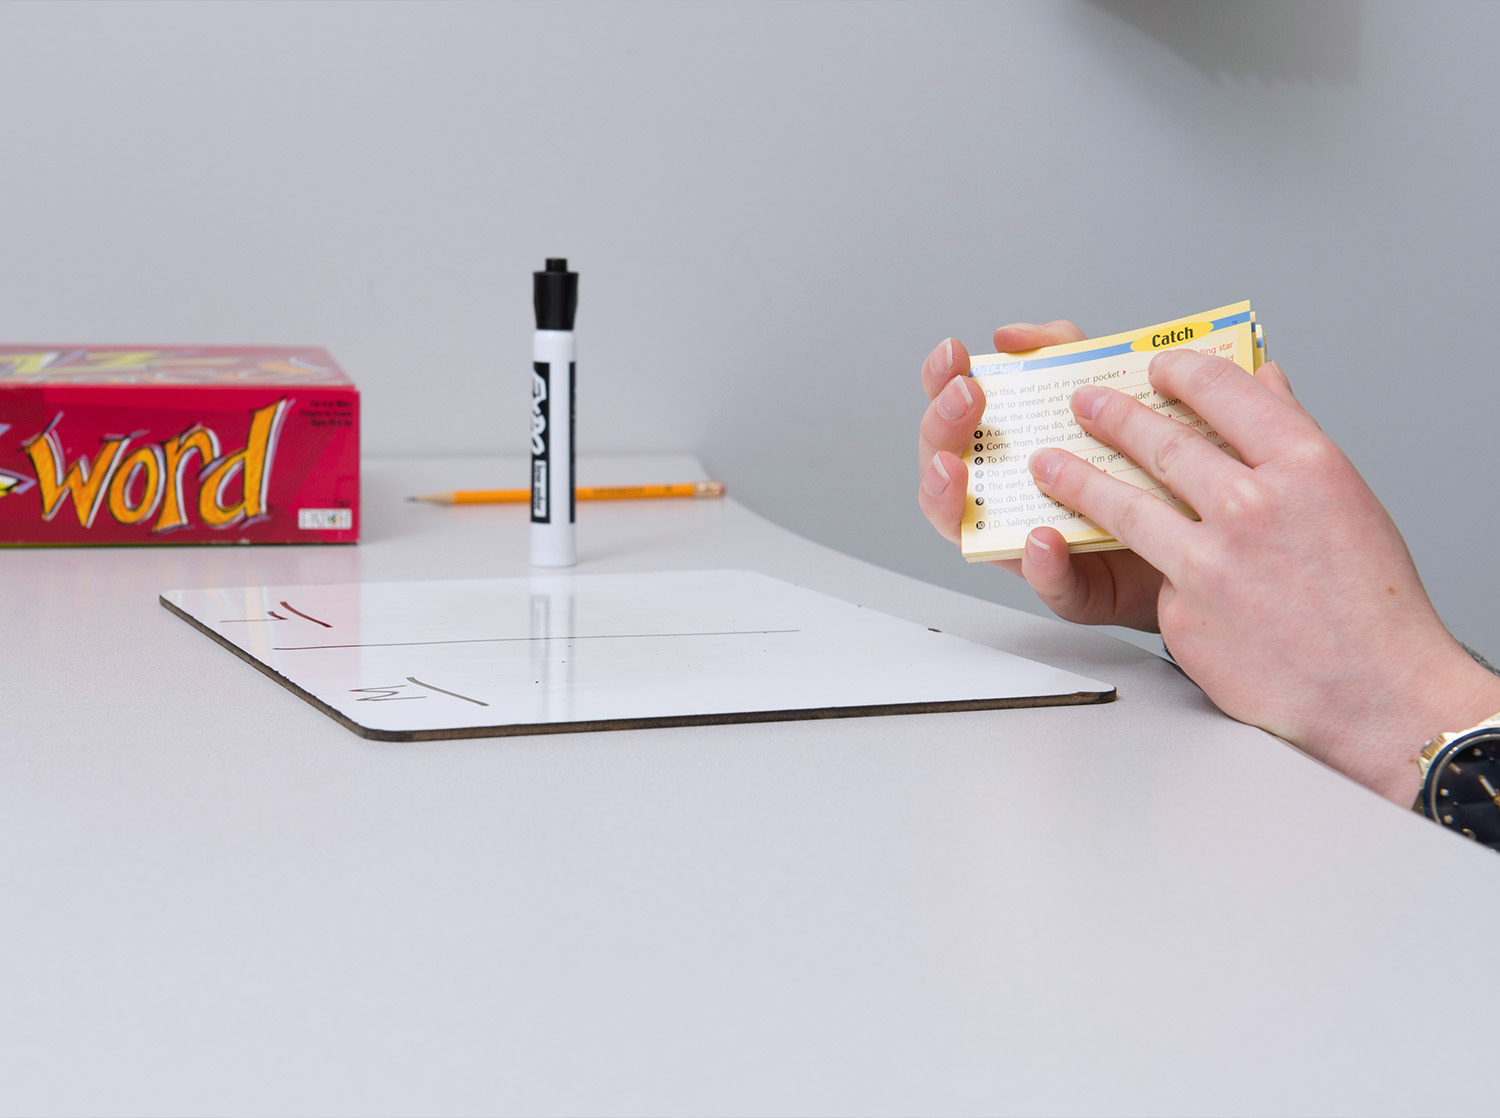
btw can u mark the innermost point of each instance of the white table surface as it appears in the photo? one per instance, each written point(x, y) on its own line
point(215, 899)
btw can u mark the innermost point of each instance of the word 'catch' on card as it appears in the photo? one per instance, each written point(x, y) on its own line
point(1026, 408)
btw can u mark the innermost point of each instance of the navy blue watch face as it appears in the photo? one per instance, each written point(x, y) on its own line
point(1463, 788)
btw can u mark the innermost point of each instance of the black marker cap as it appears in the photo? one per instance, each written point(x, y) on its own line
point(555, 293)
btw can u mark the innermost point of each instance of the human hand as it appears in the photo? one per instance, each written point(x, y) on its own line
point(1293, 602)
point(1099, 588)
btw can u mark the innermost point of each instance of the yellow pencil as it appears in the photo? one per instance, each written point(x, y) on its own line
point(585, 493)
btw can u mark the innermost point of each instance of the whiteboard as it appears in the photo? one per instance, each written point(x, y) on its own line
point(414, 661)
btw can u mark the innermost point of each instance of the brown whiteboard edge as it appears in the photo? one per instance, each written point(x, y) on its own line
point(1076, 698)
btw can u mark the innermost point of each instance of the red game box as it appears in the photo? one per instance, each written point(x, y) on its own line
point(177, 444)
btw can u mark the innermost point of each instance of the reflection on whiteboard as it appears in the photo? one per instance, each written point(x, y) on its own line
point(410, 661)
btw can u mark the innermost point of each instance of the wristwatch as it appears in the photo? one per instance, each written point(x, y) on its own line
point(1461, 782)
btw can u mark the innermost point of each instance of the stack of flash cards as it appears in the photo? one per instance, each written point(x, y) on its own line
point(1026, 408)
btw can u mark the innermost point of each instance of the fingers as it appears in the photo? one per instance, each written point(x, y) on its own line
point(945, 484)
point(1170, 451)
point(950, 359)
point(1048, 568)
point(1022, 336)
point(1273, 376)
point(1143, 523)
point(1255, 416)
point(951, 419)
point(954, 414)
point(1112, 588)
point(955, 411)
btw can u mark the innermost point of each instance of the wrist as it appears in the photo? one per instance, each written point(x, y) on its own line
point(1441, 691)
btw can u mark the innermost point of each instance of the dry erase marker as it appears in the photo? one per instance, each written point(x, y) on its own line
point(554, 357)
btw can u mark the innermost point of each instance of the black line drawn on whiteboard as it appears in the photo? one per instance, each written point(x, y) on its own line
point(389, 693)
point(512, 640)
point(382, 694)
point(455, 694)
point(272, 615)
point(299, 613)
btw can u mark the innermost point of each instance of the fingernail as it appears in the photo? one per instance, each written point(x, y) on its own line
point(1036, 550)
point(1088, 399)
point(954, 401)
point(1044, 465)
point(936, 479)
point(940, 360)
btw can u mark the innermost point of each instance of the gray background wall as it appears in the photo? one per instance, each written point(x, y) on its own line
point(776, 210)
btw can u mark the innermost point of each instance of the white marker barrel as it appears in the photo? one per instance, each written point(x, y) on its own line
point(553, 416)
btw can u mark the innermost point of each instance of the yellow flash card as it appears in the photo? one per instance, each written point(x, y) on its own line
point(1026, 408)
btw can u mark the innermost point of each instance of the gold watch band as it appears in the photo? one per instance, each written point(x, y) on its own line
point(1436, 746)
